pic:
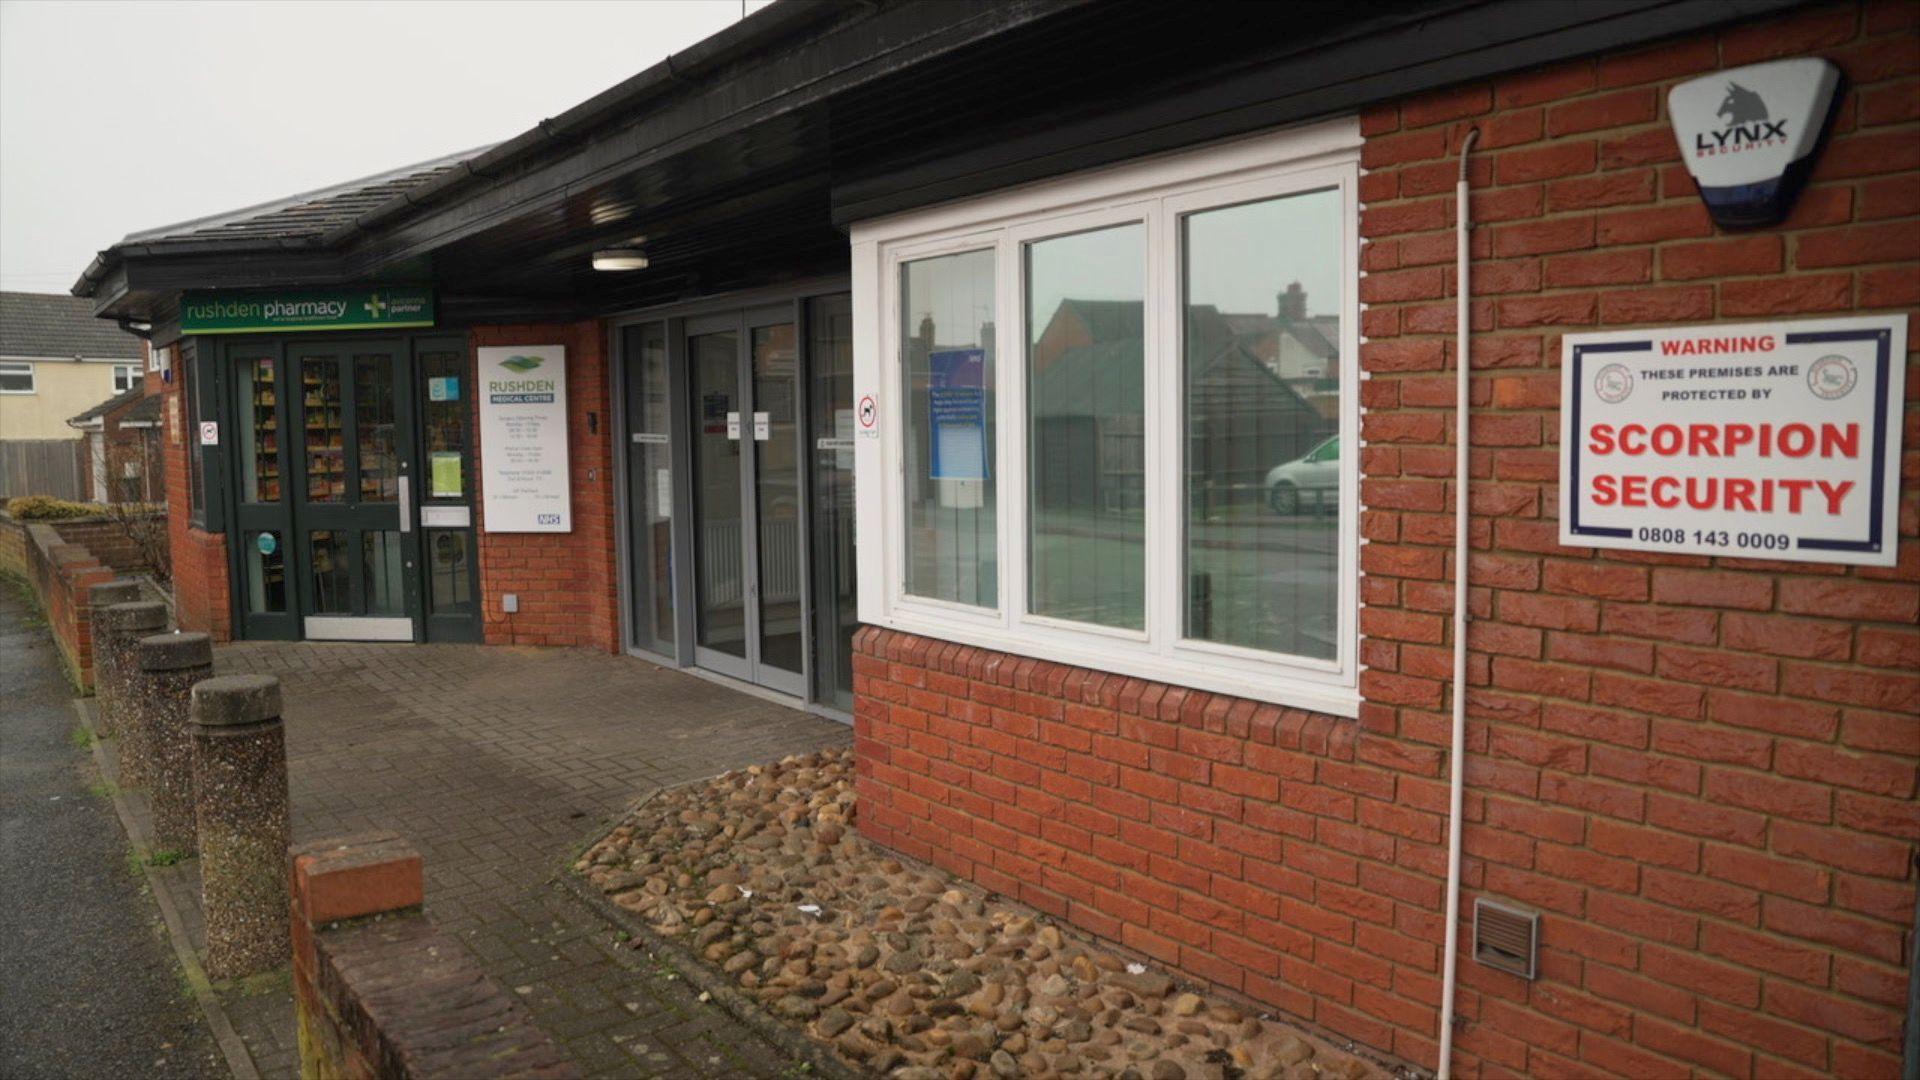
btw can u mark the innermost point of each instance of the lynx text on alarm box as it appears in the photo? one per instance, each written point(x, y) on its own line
point(1764, 440)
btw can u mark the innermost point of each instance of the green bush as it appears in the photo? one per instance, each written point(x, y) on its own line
point(48, 508)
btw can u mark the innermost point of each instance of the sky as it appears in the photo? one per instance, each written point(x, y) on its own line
point(117, 117)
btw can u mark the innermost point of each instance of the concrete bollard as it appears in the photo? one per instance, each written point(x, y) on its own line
point(240, 801)
point(160, 704)
point(116, 629)
point(100, 598)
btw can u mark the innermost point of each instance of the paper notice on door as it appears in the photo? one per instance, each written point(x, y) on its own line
point(445, 481)
point(663, 494)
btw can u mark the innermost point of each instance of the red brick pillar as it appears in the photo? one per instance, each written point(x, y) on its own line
point(334, 880)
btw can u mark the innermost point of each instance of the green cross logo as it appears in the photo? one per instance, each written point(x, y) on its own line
point(375, 306)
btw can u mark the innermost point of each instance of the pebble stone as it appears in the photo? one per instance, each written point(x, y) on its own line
point(240, 799)
point(105, 686)
point(117, 630)
point(161, 704)
point(906, 971)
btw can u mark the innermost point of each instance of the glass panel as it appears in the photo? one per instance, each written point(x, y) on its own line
point(947, 346)
point(836, 614)
point(386, 589)
point(444, 413)
point(451, 584)
point(332, 580)
point(259, 432)
point(776, 492)
point(721, 587)
point(373, 428)
point(266, 573)
point(1262, 402)
point(325, 429)
point(1086, 369)
point(650, 486)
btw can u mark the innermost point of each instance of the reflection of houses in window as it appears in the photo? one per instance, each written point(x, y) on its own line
point(1261, 390)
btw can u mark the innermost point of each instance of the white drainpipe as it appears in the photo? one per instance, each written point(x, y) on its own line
point(1456, 789)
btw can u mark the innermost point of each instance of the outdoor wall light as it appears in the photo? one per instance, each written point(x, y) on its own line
point(619, 259)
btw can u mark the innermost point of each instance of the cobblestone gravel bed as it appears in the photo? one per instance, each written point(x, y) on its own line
point(904, 971)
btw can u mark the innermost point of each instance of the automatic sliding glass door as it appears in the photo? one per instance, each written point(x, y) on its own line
point(748, 522)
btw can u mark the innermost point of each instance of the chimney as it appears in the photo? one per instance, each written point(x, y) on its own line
point(1293, 303)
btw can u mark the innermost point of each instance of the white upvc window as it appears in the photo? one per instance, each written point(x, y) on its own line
point(1102, 419)
point(125, 377)
point(16, 377)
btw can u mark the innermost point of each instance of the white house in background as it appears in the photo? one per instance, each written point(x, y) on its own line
point(57, 360)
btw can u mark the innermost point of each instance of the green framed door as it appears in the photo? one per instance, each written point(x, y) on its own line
point(356, 552)
point(448, 554)
point(261, 420)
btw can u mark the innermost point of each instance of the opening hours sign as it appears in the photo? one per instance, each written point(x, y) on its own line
point(1765, 440)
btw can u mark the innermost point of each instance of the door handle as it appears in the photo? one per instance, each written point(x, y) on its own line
point(406, 505)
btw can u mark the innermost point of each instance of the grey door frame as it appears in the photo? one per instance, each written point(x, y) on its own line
point(674, 316)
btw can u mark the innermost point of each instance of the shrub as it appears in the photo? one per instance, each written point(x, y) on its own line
point(48, 508)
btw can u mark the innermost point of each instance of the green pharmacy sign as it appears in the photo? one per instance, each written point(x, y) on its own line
point(306, 309)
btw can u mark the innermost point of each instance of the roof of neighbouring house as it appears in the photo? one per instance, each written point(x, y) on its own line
point(308, 215)
point(119, 400)
point(56, 325)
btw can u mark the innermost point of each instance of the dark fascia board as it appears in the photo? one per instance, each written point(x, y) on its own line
point(845, 55)
point(1438, 49)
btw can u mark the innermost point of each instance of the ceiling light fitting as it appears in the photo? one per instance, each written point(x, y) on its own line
point(619, 259)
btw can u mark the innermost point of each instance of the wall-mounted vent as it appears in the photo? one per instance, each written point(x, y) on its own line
point(1505, 938)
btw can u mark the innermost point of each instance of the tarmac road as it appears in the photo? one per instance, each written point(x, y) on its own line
point(89, 986)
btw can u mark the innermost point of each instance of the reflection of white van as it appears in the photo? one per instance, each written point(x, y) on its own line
point(1310, 480)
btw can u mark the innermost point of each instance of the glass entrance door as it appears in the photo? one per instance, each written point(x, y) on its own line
point(747, 516)
point(353, 499)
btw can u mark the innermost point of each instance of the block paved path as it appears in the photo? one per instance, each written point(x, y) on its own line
point(498, 763)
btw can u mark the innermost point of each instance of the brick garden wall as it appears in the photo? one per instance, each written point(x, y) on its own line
point(1701, 772)
point(567, 582)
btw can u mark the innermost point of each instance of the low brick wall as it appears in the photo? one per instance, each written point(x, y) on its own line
point(62, 574)
point(109, 542)
point(380, 992)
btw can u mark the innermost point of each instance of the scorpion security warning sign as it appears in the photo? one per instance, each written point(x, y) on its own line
point(1768, 440)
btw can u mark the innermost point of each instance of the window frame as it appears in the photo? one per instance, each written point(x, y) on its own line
point(18, 367)
point(130, 374)
point(1159, 193)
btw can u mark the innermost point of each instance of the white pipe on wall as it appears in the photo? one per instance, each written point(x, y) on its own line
point(1456, 790)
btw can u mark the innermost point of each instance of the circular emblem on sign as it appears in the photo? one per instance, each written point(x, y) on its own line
point(869, 412)
point(1613, 383)
point(267, 543)
point(1832, 377)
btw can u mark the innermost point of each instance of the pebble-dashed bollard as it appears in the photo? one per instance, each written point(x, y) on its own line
point(100, 598)
point(160, 704)
point(240, 800)
point(116, 629)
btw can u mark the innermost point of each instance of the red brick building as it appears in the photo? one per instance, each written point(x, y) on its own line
point(1195, 711)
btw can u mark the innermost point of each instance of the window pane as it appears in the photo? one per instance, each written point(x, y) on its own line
point(947, 346)
point(449, 571)
point(332, 578)
point(444, 417)
point(259, 432)
point(1261, 371)
point(836, 612)
point(776, 492)
point(1086, 361)
point(326, 435)
point(266, 573)
point(386, 589)
point(373, 427)
point(16, 378)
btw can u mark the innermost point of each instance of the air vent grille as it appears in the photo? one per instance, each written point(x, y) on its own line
point(1505, 938)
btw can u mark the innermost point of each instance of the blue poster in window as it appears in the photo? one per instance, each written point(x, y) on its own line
point(957, 404)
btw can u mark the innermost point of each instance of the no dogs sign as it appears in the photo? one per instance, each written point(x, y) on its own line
point(1766, 440)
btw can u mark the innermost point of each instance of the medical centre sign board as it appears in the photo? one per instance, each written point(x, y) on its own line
point(523, 438)
point(1765, 440)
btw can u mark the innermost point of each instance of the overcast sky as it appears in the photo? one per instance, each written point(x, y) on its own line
point(116, 117)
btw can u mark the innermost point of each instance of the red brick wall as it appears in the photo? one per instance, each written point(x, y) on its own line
point(200, 584)
point(1701, 772)
point(567, 582)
